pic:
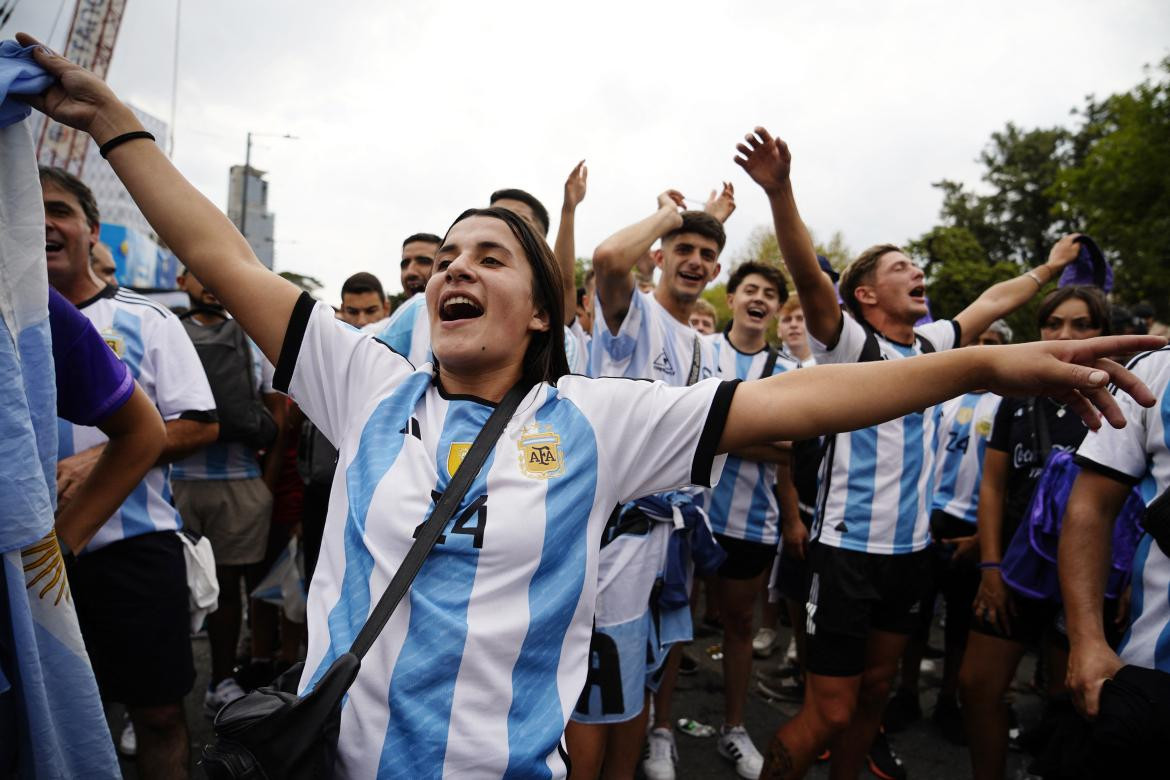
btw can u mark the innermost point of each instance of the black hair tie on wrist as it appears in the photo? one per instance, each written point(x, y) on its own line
point(105, 149)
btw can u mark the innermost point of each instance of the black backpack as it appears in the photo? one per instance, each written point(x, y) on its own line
point(227, 360)
point(316, 456)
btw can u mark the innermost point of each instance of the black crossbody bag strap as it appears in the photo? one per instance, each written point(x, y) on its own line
point(484, 443)
point(696, 362)
point(770, 363)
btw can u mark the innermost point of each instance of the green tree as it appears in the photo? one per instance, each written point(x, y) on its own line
point(1119, 189)
point(309, 284)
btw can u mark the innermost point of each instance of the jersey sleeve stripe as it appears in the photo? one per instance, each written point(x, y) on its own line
point(297, 324)
point(958, 334)
point(1106, 471)
point(712, 433)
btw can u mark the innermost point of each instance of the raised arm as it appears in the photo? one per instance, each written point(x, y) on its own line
point(190, 225)
point(833, 398)
point(615, 257)
point(769, 163)
point(565, 247)
point(1000, 300)
point(1083, 562)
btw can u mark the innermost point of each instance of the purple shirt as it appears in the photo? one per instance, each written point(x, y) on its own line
point(92, 383)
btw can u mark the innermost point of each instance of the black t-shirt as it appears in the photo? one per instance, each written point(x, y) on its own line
point(1014, 432)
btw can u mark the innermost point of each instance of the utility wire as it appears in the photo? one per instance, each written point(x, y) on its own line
point(175, 79)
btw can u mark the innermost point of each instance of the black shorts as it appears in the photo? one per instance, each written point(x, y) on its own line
point(792, 577)
point(131, 599)
point(853, 593)
point(745, 560)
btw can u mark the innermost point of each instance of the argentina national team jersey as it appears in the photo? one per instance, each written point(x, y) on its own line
point(964, 428)
point(477, 670)
point(876, 483)
point(1139, 454)
point(228, 460)
point(651, 344)
point(150, 341)
point(409, 330)
point(743, 505)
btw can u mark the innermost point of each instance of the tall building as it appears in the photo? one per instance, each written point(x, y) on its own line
point(253, 218)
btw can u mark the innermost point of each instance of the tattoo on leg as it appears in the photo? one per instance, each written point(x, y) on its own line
point(779, 764)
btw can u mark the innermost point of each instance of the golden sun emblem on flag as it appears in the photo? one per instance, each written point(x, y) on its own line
point(455, 456)
point(44, 565)
point(983, 427)
point(540, 452)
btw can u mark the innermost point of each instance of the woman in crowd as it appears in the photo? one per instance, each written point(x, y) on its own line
point(480, 666)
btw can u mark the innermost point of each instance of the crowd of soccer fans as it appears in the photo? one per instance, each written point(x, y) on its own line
point(1009, 520)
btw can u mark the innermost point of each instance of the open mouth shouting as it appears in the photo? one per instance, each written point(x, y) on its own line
point(757, 313)
point(694, 277)
point(53, 246)
point(459, 306)
point(918, 293)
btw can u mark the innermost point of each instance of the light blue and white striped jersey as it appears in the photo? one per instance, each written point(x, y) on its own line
point(409, 330)
point(651, 344)
point(577, 348)
point(743, 505)
point(1139, 454)
point(478, 669)
point(877, 483)
point(159, 353)
point(228, 460)
point(963, 430)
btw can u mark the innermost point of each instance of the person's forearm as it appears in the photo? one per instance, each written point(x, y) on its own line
point(818, 297)
point(203, 238)
point(787, 497)
point(565, 249)
point(1001, 299)
point(185, 437)
point(616, 255)
point(1084, 554)
point(274, 458)
point(824, 399)
point(764, 453)
point(989, 515)
point(137, 436)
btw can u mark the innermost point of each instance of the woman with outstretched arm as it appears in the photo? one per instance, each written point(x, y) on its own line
point(480, 666)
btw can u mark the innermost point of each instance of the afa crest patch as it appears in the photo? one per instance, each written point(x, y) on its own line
point(983, 427)
point(540, 452)
point(455, 456)
point(114, 342)
point(965, 414)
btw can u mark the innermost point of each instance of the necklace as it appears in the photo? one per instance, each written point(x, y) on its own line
point(1059, 407)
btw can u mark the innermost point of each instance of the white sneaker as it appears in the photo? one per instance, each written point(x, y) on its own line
point(128, 742)
point(764, 643)
point(661, 754)
point(227, 690)
point(735, 745)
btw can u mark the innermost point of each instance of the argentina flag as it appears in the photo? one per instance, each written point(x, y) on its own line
point(51, 719)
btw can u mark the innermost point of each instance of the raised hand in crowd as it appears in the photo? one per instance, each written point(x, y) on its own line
point(721, 204)
point(565, 246)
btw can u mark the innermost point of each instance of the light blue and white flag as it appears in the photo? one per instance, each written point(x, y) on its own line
point(47, 686)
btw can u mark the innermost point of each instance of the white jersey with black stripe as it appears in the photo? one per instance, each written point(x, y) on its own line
point(478, 669)
point(1139, 454)
point(152, 343)
point(877, 483)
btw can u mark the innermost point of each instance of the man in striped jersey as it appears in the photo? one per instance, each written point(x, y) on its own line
point(129, 582)
point(221, 494)
point(407, 331)
point(868, 563)
point(642, 335)
point(1111, 464)
point(742, 507)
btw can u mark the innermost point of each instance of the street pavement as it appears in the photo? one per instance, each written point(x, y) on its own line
point(926, 755)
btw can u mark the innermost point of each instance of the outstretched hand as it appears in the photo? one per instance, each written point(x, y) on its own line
point(575, 186)
point(77, 97)
point(766, 159)
point(720, 205)
point(1064, 252)
point(1073, 372)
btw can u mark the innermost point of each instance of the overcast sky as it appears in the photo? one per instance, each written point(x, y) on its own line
point(409, 112)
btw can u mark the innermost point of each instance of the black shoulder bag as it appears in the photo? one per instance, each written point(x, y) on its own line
point(271, 732)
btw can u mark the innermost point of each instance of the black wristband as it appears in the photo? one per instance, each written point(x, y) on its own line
point(105, 149)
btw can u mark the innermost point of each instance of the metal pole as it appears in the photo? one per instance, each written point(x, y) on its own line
point(244, 190)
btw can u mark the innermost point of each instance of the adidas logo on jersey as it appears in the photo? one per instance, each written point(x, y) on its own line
point(662, 363)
